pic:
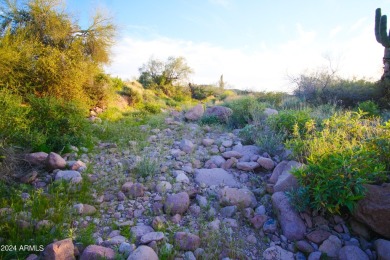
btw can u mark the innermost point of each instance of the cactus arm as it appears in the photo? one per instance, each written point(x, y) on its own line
point(383, 32)
point(377, 24)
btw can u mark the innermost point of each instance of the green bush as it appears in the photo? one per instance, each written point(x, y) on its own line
point(153, 108)
point(56, 123)
point(348, 152)
point(210, 120)
point(369, 107)
point(285, 121)
point(14, 122)
point(245, 110)
point(134, 96)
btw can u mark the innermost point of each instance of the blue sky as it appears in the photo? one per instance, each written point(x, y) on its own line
point(255, 44)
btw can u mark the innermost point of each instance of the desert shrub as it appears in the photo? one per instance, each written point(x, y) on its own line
point(153, 108)
point(286, 120)
point(56, 123)
point(267, 139)
point(369, 107)
point(209, 120)
point(299, 198)
point(347, 153)
point(273, 98)
point(200, 92)
point(14, 123)
point(225, 94)
point(146, 167)
point(133, 96)
point(245, 110)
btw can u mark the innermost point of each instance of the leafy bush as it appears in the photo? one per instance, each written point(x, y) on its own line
point(134, 97)
point(14, 123)
point(299, 198)
point(146, 167)
point(286, 120)
point(369, 107)
point(245, 110)
point(153, 108)
point(348, 152)
point(209, 120)
point(56, 123)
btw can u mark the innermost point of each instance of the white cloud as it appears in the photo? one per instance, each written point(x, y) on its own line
point(223, 3)
point(264, 69)
point(335, 31)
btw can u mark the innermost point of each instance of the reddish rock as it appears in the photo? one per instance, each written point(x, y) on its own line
point(93, 252)
point(195, 113)
point(126, 186)
point(374, 209)
point(55, 161)
point(136, 190)
point(177, 203)
point(63, 249)
point(266, 163)
point(258, 221)
point(186, 241)
point(318, 236)
point(304, 246)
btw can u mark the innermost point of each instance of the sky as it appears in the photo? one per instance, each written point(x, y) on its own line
point(256, 44)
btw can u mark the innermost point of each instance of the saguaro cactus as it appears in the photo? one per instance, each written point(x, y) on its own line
point(383, 38)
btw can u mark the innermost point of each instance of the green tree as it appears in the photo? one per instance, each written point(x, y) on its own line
point(156, 74)
point(45, 53)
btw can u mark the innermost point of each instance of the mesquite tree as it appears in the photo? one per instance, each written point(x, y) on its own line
point(383, 38)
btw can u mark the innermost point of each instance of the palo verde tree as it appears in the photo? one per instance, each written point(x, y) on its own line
point(156, 74)
point(45, 53)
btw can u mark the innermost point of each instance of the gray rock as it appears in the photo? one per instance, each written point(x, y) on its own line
point(286, 182)
point(217, 160)
point(382, 248)
point(227, 143)
point(195, 113)
point(352, 253)
point(228, 211)
point(269, 112)
point(36, 159)
point(247, 166)
point(186, 241)
point(318, 236)
point(216, 176)
point(152, 236)
point(189, 256)
point(241, 198)
point(71, 176)
point(93, 252)
point(315, 256)
point(186, 146)
point(331, 246)
point(277, 253)
point(182, 178)
point(177, 203)
point(281, 167)
point(207, 141)
point(126, 186)
point(163, 186)
point(292, 225)
point(55, 161)
point(140, 230)
point(143, 253)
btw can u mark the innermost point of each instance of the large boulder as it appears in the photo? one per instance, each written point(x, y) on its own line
point(215, 176)
point(286, 182)
point(374, 209)
point(177, 203)
point(277, 253)
point(195, 113)
point(241, 198)
point(63, 249)
point(283, 166)
point(292, 225)
point(220, 112)
point(143, 253)
point(92, 252)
